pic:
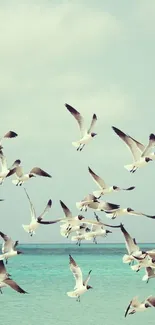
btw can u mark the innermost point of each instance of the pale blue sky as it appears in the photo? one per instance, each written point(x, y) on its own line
point(98, 56)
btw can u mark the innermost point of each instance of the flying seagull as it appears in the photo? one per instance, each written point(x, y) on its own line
point(6, 172)
point(8, 135)
point(5, 280)
point(89, 201)
point(112, 214)
point(86, 135)
point(81, 234)
point(81, 286)
point(135, 305)
point(150, 273)
point(97, 231)
point(141, 154)
point(105, 189)
point(8, 247)
point(21, 177)
point(34, 224)
point(131, 246)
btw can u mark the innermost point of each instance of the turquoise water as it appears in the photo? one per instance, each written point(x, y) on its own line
point(43, 271)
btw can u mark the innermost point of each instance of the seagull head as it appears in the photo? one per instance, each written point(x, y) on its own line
point(93, 134)
point(147, 159)
point(129, 210)
point(80, 217)
point(89, 287)
point(32, 175)
point(19, 252)
point(115, 188)
point(108, 232)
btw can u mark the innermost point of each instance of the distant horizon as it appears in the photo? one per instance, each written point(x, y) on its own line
point(69, 243)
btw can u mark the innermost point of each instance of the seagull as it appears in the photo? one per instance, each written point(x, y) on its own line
point(81, 286)
point(150, 273)
point(143, 262)
point(112, 214)
point(5, 280)
point(6, 172)
point(65, 232)
point(139, 306)
point(34, 224)
point(86, 135)
point(105, 189)
point(97, 231)
point(21, 177)
point(89, 201)
point(8, 247)
point(8, 135)
point(81, 234)
point(131, 246)
point(141, 154)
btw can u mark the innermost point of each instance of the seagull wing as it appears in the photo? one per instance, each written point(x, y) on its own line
point(19, 171)
point(14, 285)
point(2, 269)
point(150, 145)
point(10, 134)
point(151, 301)
point(85, 282)
point(133, 145)
point(32, 210)
point(110, 206)
point(78, 117)
point(98, 180)
point(76, 272)
point(149, 271)
point(3, 162)
point(66, 211)
point(135, 213)
point(39, 171)
point(48, 206)
point(129, 241)
point(93, 122)
point(15, 164)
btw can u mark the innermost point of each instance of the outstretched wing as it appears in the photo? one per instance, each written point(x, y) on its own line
point(98, 180)
point(135, 147)
point(76, 272)
point(48, 206)
point(32, 210)
point(40, 172)
point(93, 122)
point(129, 241)
point(85, 282)
point(66, 211)
point(78, 118)
point(14, 285)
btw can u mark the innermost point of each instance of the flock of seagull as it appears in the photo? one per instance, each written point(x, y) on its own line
point(78, 227)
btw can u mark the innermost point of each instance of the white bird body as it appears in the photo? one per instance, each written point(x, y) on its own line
point(86, 135)
point(136, 306)
point(81, 286)
point(22, 178)
point(141, 154)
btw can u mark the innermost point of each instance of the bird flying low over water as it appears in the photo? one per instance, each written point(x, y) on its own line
point(81, 234)
point(112, 214)
point(141, 154)
point(21, 177)
point(135, 305)
point(81, 286)
point(105, 189)
point(34, 224)
point(6, 281)
point(8, 247)
point(5, 171)
point(97, 231)
point(86, 135)
point(8, 135)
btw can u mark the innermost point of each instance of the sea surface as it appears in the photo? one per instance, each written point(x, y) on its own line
point(43, 271)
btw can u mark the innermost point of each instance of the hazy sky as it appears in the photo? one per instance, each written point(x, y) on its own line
point(98, 56)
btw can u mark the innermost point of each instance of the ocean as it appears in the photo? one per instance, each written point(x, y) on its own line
point(43, 271)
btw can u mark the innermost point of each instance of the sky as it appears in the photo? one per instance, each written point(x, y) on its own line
point(97, 56)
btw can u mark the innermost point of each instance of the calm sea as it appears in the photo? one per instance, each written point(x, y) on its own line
point(43, 271)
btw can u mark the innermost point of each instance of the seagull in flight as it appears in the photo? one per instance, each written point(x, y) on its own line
point(86, 135)
point(131, 246)
point(112, 214)
point(5, 171)
point(141, 154)
point(6, 281)
point(8, 247)
point(81, 234)
point(21, 177)
point(135, 305)
point(81, 286)
point(35, 221)
point(98, 230)
point(8, 135)
point(105, 189)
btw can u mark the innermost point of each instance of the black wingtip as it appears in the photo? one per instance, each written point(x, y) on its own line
point(152, 136)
